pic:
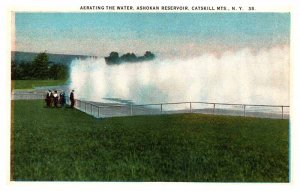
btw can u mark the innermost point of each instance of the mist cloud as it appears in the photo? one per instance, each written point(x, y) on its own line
point(234, 77)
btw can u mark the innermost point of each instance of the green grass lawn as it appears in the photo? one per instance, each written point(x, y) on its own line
point(66, 144)
point(30, 84)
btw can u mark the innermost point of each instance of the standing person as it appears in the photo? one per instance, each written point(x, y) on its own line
point(72, 99)
point(62, 99)
point(48, 98)
point(51, 99)
point(55, 98)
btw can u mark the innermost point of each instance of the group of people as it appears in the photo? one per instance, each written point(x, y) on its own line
point(55, 99)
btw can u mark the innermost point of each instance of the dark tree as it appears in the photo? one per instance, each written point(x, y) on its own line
point(40, 66)
point(129, 57)
point(26, 71)
point(14, 70)
point(58, 71)
point(113, 58)
point(114, 55)
point(149, 55)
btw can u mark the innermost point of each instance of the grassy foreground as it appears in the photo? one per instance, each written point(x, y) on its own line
point(65, 144)
point(30, 84)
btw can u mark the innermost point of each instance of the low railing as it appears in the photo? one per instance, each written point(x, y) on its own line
point(102, 110)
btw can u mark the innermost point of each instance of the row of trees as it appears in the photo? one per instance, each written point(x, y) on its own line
point(114, 57)
point(39, 69)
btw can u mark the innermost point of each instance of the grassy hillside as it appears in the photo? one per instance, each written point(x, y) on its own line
point(30, 84)
point(66, 144)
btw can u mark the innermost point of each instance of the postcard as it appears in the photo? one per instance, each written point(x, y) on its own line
point(151, 94)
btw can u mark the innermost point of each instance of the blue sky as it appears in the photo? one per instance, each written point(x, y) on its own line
point(162, 33)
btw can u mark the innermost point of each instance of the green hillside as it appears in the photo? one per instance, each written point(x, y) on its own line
point(68, 145)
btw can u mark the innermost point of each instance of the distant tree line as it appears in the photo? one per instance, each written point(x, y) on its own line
point(39, 69)
point(114, 57)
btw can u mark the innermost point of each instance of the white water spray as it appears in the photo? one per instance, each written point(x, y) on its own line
point(235, 77)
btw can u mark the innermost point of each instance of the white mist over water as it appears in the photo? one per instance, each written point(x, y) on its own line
point(234, 77)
